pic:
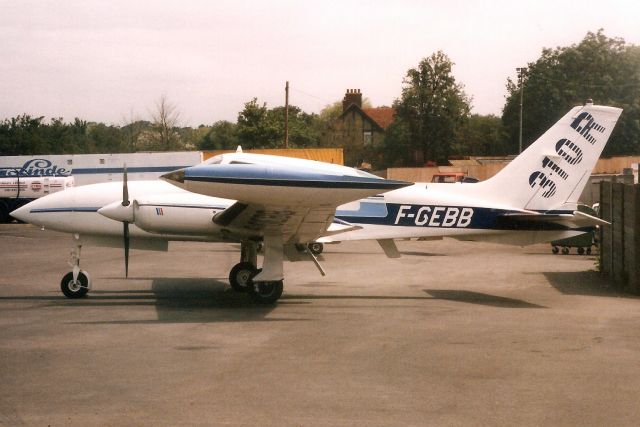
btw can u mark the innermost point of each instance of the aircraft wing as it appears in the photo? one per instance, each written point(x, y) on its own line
point(297, 204)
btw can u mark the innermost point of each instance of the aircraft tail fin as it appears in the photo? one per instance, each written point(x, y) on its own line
point(552, 172)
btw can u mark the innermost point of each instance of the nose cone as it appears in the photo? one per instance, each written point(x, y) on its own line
point(23, 213)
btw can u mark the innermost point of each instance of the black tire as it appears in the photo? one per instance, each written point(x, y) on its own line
point(555, 250)
point(589, 250)
point(581, 251)
point(74, 290)
point(316, 248)
point(565, 251)
point(265, 292)
point(240, 275)
point(4, 212)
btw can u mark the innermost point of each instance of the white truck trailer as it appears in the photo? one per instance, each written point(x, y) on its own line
point(18, 191)
point(20, 175)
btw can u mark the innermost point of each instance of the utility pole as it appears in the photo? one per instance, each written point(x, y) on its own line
point(286, 115)
point(520, 77)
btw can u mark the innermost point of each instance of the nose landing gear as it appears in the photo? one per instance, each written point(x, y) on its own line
point(76, 283)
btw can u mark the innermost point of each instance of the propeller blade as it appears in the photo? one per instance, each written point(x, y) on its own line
point(125, 188)
point(126, 248)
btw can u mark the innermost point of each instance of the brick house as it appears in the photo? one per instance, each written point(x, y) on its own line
point(358, 130)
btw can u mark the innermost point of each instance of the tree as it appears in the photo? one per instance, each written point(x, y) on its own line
point(260, 127)
point(23, 135)
point(255, 130)
point(604, 69)
point(431, 109)
point(481, 136)
point(106, 139)
point(162, 134)
point(222, 135)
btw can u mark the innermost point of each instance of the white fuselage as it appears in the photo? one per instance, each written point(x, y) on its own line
point(167, 212)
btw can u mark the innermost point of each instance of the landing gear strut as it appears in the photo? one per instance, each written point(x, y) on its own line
point(76, 283)
point(242, 272)
point(264, 285)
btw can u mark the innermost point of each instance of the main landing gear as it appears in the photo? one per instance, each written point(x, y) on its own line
point(264, 285)
point(76, 283)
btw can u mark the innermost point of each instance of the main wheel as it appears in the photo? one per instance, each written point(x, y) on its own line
point(565, 251)
point(580, 251)
point(75, 288)
point(555, 250)
point(240, 275)
point(589, 250)
point(316, 248)
point(265, 292)
point(4, 212)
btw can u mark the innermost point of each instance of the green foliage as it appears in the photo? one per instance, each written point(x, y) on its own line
point(223, 135)
point(397, 149)
point(260, 127)
point(481, 136)
point(431, 109)
point(22, 134)
point(601, 68)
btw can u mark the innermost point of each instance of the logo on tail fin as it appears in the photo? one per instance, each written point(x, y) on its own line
point(568, 152)
point(584, 123)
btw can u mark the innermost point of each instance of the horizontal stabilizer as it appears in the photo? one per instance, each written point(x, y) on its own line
point(575, 219)
point(339, 226)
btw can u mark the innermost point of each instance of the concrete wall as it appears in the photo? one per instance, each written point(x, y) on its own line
point(620, 241)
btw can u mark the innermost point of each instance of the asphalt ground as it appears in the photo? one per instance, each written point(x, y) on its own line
point(453, 333)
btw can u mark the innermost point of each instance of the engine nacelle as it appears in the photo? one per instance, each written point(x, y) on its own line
point(172, 219)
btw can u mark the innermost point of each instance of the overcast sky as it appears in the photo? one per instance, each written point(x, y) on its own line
point(108, 60)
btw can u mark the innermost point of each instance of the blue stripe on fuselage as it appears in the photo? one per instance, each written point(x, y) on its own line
point(406, 215)
point(66, 209)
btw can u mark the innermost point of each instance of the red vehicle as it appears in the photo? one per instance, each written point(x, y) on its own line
point(452, 177)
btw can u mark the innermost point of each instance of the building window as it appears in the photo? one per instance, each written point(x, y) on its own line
point(368, 137)
point(69, 161)
point(102, 161)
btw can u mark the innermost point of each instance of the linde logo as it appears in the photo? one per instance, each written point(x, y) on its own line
point(35, 167)
point(568, 152)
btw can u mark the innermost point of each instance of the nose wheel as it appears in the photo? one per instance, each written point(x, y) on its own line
point(75, 288)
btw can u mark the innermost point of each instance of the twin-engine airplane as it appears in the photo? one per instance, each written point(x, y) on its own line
point(284, 204)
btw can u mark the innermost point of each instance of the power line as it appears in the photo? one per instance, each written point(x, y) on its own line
point(593, 85)
point(312, 96)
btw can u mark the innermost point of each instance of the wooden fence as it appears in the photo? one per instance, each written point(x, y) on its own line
point(620, 242)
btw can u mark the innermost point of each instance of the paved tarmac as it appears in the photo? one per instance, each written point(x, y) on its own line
point(453, 333)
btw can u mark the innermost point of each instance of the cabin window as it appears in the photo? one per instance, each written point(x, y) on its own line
point(102, 161)
point(69, 161)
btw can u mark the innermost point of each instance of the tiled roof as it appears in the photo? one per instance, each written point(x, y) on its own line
point(383, 116)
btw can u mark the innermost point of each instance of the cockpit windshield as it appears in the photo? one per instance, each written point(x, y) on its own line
point(215, 160)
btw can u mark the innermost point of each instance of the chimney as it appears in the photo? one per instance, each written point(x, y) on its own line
point(353, 96)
